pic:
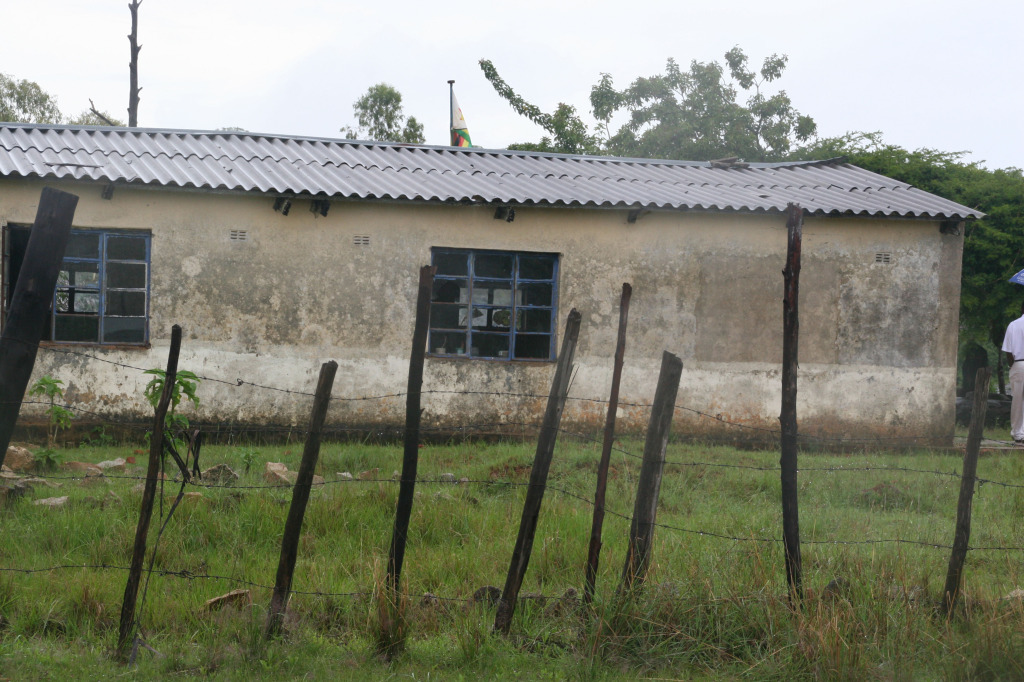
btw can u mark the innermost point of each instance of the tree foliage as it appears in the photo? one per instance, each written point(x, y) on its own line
point(379, 116)
point(568, 133)
point(993, 246)
point(24, 101)
point(692, 114)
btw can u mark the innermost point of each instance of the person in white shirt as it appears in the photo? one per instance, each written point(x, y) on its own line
point(1013, 345)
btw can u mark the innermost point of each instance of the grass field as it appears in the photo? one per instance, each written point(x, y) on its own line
point(712, 607)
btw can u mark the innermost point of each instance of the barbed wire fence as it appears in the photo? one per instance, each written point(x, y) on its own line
point(470, 430)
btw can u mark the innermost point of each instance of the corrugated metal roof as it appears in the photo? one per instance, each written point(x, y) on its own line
point(281, 165)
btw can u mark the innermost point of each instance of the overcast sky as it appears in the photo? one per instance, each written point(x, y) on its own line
point(945, 74)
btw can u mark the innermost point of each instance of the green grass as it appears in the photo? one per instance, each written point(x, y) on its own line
point(711, 607)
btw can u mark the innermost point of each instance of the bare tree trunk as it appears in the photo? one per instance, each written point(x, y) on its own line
point(133, 66)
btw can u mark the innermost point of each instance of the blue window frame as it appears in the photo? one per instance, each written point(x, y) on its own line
point(498, 305)
point(102, 292)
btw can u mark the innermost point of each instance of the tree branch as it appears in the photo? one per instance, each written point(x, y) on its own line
point(97, 114)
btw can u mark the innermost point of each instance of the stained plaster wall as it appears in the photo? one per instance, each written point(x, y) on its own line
point(877, 346)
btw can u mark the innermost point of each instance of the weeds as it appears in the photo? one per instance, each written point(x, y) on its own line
point(711, 607)
point(59, 417)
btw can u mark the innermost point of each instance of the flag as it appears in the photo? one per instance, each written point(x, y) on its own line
point(460, 134)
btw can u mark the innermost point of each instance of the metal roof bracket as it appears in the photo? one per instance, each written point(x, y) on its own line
point(951, 227)
point(282, 205)
point(320, 206)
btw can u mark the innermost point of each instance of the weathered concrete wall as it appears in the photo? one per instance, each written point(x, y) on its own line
point(878, 341)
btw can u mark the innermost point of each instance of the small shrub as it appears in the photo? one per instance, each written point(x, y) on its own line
point(98, 437)
point(48, 459)
point(249, 457)
point(59, 417)
point(185, 385)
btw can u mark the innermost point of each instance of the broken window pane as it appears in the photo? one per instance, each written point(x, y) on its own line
point(447, 343)
point(490, 345)
point(493, 265)
point(100, 297)
point(450, 290)
point(508, 294)
point(446, 316)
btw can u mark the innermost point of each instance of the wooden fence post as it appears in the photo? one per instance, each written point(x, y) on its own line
point(962, 535)
point(300, 497)
point(787, 418)
point(645, 509)
point(156, 446)
point(410, 457)
point(30, 304)
point(538, 475)
point(594, 552)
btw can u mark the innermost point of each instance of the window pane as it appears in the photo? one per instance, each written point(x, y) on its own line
point(501, 295)
point(126, 275)
point(77, 301)
point(451, 263)
point(501, 317)
point(534, 320)
point(131, 303)
point(76, 328)
point(79, 274)
point(533, 346)
point(535, 294)
point(83, 245)
point(493, 265)
point(492, 293)
point(490, 345)
point(450, 290)
point(126, 248)
point(124, 329)
point(447, 343)
point(446, 316)
point(536, 267)
point(479, 317)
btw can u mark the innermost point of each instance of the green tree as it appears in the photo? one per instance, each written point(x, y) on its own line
point(691, 114)
point(379, 116)
point(24, 101)
point(993, 246)
point(568, 133)
point(92, 117)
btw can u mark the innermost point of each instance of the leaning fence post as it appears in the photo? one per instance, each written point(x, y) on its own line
point(30, 304)
point(787, 417)
point(538, 475)
point(594, 552)
point(645, 509)
point(410, 457)
point(300, 497)
point(962, 535)
point(156, 447)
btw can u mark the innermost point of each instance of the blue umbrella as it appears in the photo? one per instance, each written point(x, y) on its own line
point(1018, 278)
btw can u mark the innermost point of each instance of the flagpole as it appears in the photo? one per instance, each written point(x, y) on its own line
point(451, 109)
